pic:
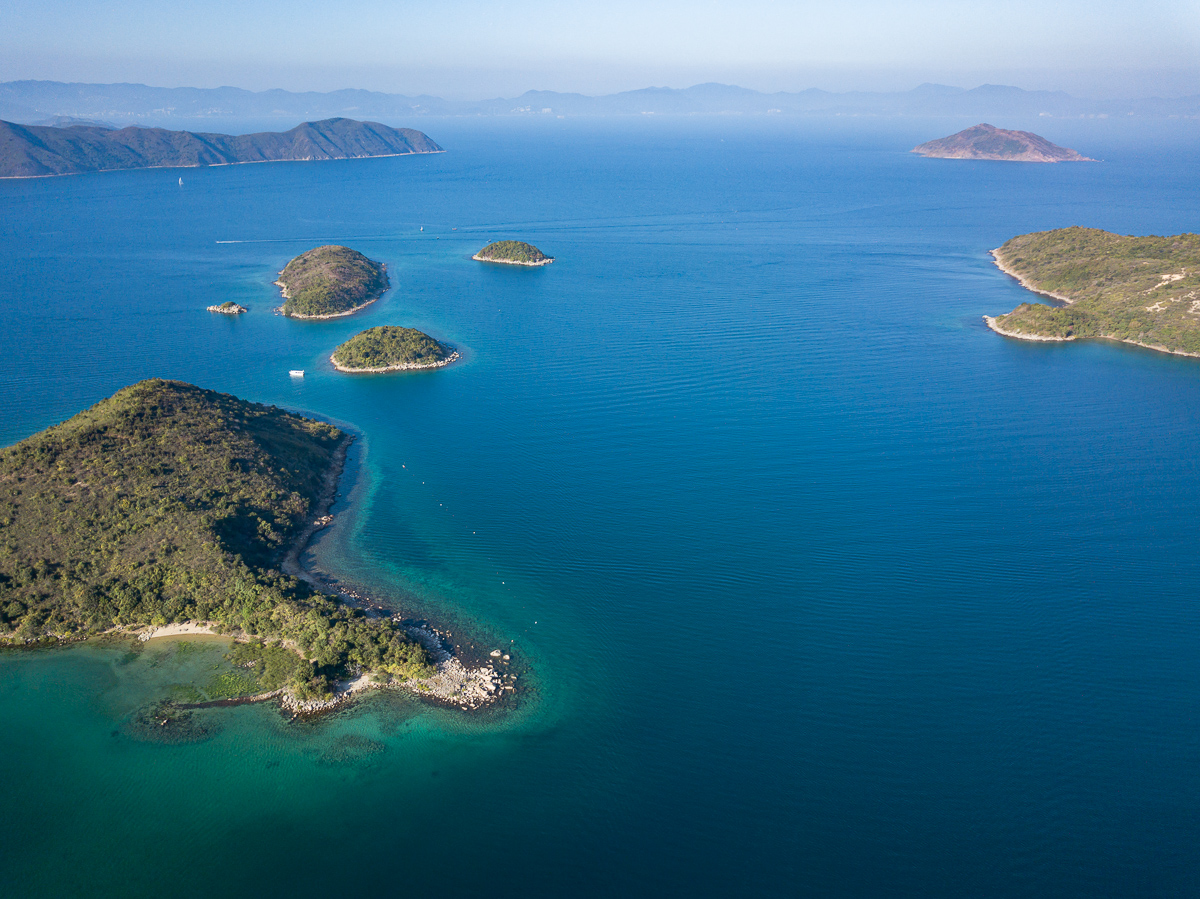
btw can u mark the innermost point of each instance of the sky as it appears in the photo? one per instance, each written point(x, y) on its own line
point(467, 49)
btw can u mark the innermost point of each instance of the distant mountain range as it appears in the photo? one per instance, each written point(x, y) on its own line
point(29, 151)
point(39, 101)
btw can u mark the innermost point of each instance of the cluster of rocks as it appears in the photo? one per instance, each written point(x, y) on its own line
point(453, 682)
point(228, 308)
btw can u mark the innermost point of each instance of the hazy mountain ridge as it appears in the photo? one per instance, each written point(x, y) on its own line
point(29, 101)
point(32, 151)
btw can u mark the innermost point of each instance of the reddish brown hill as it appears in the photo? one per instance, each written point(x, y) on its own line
point(989, 142)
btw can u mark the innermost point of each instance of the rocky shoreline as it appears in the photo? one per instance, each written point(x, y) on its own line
point(402, 366)
point(1020, 279)
point(994, 324)
point(545, 261)
point(993, 321)
point(452, 683)
point(286, 296)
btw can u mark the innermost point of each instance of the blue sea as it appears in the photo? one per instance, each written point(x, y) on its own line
point(816, 585)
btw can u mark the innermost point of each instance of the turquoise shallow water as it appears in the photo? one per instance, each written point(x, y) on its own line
point(823, 586)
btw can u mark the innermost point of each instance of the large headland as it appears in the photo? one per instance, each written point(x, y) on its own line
point(169, 509)
point(35, 151)
point(1139, 290)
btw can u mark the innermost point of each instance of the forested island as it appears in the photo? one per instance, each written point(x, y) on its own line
point(513, 252)
point(330, 281)
point(1140, 290)
point(389, 348)
point(170, 503)
point(31, 151)
point(985, 141)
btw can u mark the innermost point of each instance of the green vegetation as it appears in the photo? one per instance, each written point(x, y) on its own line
point(378, 349)
point(169, 503)
point(330, 281)
point(1143, 290)
point(512, 251)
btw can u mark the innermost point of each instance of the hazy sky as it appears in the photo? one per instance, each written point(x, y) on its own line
point(465, 48)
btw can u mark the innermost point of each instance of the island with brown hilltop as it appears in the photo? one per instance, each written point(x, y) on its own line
point(989, 142)
point(329, 282)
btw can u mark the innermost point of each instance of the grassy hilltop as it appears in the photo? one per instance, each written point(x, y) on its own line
point(1143, 290)
point(387, 347)
point(330, 281)
point(170, 503)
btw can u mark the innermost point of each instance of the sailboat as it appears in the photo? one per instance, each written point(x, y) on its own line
point(181, 182)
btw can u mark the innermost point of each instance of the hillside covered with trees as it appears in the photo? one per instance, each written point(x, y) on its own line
point(1143, 290)
point(330, 281)
point(389, 348)
point(30, 151)
point(170, 503)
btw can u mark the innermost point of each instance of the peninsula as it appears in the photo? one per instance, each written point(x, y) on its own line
point(33, 151)
point(169, 509)
point(389, 348)
point(329, 282)
point(989, 142)
point(513, 252)
point(1139, 290)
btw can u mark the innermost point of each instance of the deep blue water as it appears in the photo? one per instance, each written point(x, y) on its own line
point(823, 588)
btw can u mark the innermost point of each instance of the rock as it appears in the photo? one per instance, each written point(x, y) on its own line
point(495, 653)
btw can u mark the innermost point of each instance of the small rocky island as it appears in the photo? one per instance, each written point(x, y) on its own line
point(1139, 290)
point(513, 252)
point(329, 282)
point(229, 307)
point(169, 510)
point(989, 142)
point(389, 348)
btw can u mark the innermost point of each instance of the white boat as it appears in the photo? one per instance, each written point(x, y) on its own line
point(297, 373)
point(181, 182)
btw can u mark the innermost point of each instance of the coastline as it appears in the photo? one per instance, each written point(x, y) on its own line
point(451, 684)
point(992, 321)
point(998, 259)
point(403, 366)
point(1021, 335)
point(217, 165)
point(545, 261)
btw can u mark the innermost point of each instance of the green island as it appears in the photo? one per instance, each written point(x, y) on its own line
point(389, 348)
point(330, 281)
point(1139, 290)
point(177, 508)
point(513, 252)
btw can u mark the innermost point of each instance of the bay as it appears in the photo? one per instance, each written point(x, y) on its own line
point(818, 585)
